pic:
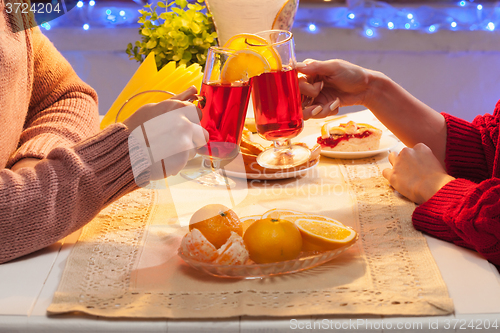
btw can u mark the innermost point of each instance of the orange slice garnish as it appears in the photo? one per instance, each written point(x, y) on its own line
point(257, 44)
point(243, 65)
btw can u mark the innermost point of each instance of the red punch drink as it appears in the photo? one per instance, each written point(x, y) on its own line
point(224, 108)
point(277, 105)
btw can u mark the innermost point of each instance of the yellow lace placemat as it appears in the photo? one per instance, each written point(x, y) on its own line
point(125, 262)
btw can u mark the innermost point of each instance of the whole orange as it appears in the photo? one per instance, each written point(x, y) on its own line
point(272, 240)
point(216, 222)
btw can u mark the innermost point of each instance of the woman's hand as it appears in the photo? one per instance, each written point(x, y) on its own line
point(171, 132)
point(416, 173)
point(331, 84)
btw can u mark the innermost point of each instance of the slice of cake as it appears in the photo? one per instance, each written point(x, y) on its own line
point(350, 137)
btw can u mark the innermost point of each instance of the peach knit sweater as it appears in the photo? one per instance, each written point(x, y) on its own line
point(47, 112)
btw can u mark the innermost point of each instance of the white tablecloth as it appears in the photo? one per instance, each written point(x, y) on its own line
point(28, 284)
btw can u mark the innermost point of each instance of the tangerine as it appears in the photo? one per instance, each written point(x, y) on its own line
point(216, 222)
point(271, 240)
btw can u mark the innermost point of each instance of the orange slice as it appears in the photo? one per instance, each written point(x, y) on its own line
point(324, 235)
point(293, 215)
point(277, 213)
point(243, 65)
point(248, 220)
point(254, 42)
point(312, 217)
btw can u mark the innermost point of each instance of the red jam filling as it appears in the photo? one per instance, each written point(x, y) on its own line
point(332, 142)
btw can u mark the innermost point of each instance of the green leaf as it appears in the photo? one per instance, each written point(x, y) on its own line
point(181, 3)
point(178, 11)
point(162, 4)
point(197, 41)
point(151, 44)
point(161, 31)
point(195, 27)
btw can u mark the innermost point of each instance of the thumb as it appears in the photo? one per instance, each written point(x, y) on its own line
point(387, 173)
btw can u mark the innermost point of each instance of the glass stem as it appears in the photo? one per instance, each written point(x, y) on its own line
point(208, 163)
point(280, 144)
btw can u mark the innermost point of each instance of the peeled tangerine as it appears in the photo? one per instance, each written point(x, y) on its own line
point(233, 252)
point(197, 246)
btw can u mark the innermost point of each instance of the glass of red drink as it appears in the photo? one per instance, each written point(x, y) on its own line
point(223, 106)
point(277, 103)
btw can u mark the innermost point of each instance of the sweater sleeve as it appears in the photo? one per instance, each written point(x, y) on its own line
point(465, 150)
point(466, 210)
point(62, 110)
point(465, 213)
point(39, 206)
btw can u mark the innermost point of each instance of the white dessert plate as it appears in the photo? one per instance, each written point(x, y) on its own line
point(386, 143)
point(271, 176)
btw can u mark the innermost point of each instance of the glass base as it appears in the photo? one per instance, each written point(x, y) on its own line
point(208, 177)
point(283, 157)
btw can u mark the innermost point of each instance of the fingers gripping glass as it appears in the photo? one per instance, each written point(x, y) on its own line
point(277, 103)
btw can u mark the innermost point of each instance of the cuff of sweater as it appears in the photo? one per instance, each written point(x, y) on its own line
point(108, 154)
point(430, 216)
point(38, 147)
point(464, 149)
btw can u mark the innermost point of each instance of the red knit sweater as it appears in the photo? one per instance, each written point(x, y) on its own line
point(466, 211)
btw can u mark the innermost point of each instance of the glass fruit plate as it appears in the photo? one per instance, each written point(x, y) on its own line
point(306, 260)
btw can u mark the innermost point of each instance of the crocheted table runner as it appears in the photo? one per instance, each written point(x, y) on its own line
point(125, 262)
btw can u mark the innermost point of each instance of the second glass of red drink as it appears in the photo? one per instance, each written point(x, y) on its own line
point(277, 102)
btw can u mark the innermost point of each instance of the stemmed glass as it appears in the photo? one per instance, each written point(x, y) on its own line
point(223, 105)
point(277, 103)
